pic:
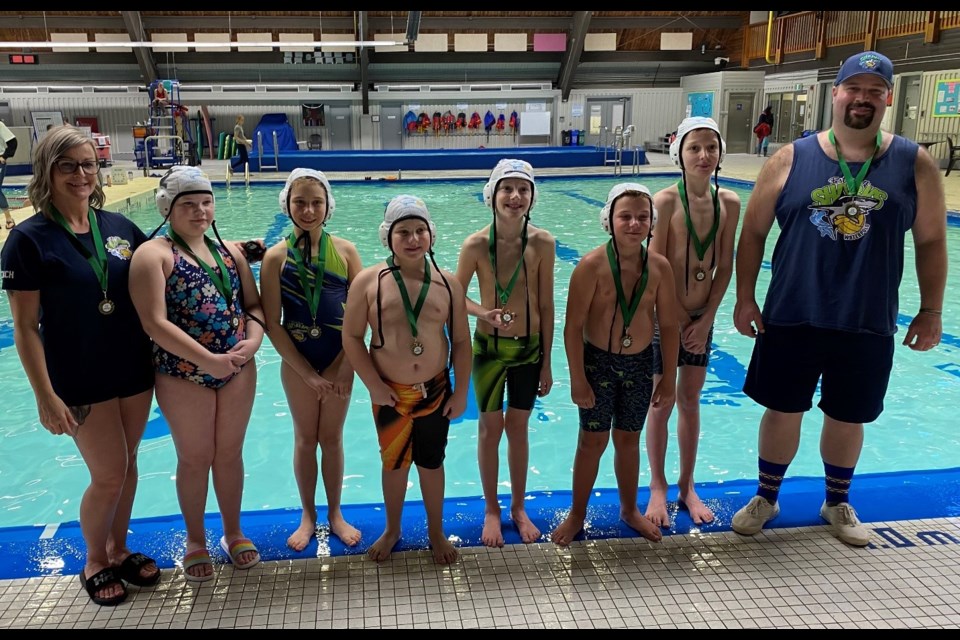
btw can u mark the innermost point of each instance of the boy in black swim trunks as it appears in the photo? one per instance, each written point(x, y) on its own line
point(695, 234)
point(608, 336)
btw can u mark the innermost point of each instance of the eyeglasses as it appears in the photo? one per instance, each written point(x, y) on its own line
point(69, 167)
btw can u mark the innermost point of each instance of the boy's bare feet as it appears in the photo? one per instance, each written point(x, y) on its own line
point(443, 550)
point(657, 508)
point(564, 534)
point(348, 534)
point(528, 531)
point(300, 538)
point(699, 512)
point(383, 547)
point(492, 535)
point(636, 521)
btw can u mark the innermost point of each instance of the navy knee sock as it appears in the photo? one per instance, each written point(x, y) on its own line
point(838, 483)
point(771, 477)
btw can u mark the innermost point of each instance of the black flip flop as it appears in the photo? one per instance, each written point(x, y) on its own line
point(98, 581)
point(130, 568)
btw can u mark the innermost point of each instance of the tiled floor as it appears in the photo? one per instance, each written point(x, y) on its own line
point(786, 578)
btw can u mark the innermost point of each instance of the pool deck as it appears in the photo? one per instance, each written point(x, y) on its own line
point(796, 575)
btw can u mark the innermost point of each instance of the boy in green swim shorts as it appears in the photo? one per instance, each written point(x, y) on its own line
point(513, 261)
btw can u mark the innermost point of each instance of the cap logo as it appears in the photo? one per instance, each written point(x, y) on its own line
point(870, 61)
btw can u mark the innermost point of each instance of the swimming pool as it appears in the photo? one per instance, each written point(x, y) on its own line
point(41, 476)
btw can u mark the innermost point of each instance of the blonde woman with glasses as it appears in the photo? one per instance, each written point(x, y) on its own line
point(82, 347)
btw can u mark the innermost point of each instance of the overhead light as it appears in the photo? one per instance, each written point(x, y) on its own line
point(198, 45)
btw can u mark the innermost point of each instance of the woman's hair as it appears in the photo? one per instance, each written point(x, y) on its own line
point(239, 118)
point(51, 148)
point(768, 110)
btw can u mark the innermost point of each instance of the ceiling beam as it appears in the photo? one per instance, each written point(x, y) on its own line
point(571, 57)
point(364, 63)
point(379, 24)
point(413, 26)
point(134, 26)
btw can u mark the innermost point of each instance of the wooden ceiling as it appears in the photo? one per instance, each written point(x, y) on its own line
point(636, 30)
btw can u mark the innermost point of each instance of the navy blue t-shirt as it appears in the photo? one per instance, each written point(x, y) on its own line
point(90, 357)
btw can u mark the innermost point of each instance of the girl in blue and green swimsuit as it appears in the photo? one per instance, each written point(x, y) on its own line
point(304, 281)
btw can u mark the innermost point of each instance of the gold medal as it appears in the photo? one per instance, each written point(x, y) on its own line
point(700, 275)
point(314, 332)
point(626, 341)
point(416, 348)
point(106, 306)
point(506, 316)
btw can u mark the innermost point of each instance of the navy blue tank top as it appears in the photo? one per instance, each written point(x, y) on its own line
point(839, 259)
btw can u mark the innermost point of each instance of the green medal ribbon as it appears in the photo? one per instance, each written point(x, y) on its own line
point(310, 292)
point(853, 184)
point(504, 293)
point(98, 261)
point(700, 247)
point(222, 280)
point(412, 312)
point(628, 310)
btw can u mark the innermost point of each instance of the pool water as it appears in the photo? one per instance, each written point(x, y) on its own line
point(41, 476)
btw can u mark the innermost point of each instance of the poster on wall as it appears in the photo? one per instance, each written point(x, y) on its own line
point(946, 99)
point(701, 104)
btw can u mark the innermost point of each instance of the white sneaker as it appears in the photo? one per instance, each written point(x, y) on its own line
point(846, 524)
point(751, 518)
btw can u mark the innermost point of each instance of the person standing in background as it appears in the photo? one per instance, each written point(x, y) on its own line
point(8, 147)
point(764, 130)
point(243, 147)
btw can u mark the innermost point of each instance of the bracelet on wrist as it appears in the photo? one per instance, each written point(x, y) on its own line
point(931, 311)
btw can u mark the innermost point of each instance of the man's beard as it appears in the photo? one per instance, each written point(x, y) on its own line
point(858, 122)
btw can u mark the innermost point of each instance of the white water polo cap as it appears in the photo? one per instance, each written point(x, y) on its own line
point(692, 124)
point(180, 181)
point(509, 168)
point(625, 188)
point(403, 207)
point(307, 173)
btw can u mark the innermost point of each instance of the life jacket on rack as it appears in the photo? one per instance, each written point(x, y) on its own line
point(437, 121)
point(410, 122)
point(488, 121)
point(475, 121)
point(514, 121)
point(423, 124)
point(461, 120)
point(501, 122)
point(449, 121)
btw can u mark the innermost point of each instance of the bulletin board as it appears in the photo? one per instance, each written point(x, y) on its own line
point(535, 123)
point(947, 99)
point(701, 104)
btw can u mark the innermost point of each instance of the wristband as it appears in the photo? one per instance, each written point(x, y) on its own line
point(935, 312)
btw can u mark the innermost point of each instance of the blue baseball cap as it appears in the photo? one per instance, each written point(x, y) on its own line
point(866, 62)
